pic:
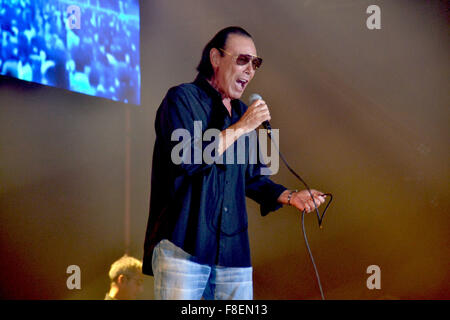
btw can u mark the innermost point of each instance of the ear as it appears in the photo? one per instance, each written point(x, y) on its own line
point(214, 57)
point(120, 279)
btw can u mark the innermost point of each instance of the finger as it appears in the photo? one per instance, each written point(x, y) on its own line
point(264, 115)
point(319, 200)
point(316, 193)
point(262, 111)
point(311, 205)
point(258, 103)
point(262, 107)
point(255, 104)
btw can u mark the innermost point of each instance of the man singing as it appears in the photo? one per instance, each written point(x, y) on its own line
point(197, 241)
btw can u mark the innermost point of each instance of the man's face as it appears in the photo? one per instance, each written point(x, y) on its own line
point(230, 78)
point(132, 286)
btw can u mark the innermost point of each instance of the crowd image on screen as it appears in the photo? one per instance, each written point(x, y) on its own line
point(100, 57)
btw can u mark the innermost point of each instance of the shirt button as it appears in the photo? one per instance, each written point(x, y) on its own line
point(225, 209)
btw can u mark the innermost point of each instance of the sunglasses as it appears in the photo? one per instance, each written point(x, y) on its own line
point(243, 59)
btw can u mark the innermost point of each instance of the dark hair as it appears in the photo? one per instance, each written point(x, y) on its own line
point(218, 41)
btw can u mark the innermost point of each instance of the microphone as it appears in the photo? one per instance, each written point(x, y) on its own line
point(253, 97)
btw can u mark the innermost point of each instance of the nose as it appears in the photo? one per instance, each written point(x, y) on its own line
point(249, 69)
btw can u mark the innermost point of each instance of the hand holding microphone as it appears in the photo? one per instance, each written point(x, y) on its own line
point(254, 97)
point(256, 114)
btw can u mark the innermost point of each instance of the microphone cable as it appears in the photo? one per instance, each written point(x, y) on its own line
point(319, 217)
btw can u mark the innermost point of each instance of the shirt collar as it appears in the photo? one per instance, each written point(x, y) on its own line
point(201, 82)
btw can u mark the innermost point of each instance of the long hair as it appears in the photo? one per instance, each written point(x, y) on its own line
point(218, 41)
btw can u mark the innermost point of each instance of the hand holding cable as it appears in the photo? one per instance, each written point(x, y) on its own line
point(302, 200)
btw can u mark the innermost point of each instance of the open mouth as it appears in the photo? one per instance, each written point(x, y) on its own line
point(242, 83)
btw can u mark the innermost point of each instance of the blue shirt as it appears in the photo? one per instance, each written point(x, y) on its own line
point(201, 206)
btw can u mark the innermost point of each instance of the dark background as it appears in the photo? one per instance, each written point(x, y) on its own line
point(362, 114)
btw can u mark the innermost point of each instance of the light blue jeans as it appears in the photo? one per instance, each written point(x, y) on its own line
point(179, 277)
